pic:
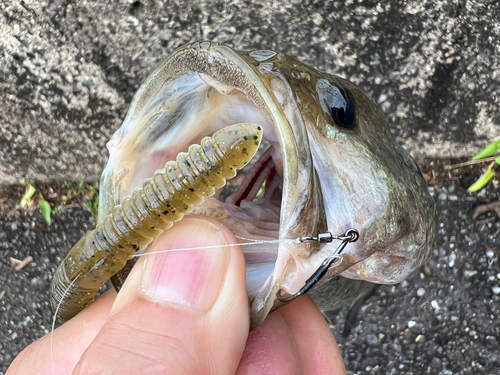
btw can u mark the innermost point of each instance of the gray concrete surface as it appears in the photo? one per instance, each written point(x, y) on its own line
point(68, 69)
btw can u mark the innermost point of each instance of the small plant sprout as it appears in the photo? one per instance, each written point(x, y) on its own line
point(46, 209)
point(28, 195)
point(492, 149)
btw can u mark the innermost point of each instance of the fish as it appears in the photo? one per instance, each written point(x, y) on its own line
point(327, 163)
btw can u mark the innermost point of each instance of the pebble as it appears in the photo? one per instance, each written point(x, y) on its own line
point(435, 305)
point(469, 240)
point(470, 273)
point(372, 340)
point(491, 341)
point(427, 269)
point(495, 289)
point(451, 260)
point(397, 346)
point(420, 292)
point(13, 226)
point(442, 196)
point(411, 323)
point(436, 363)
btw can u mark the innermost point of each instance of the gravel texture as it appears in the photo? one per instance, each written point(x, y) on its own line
point(443, 320)
point(68, 69)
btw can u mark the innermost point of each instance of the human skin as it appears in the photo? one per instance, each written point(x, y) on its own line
point(186, 312)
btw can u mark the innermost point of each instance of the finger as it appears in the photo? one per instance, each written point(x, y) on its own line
point(69, 342)
point(317, 348)
point(294, 340)
point(178, 312)
point(270, 349)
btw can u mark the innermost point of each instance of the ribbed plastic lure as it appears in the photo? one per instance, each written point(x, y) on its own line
point(163, 199)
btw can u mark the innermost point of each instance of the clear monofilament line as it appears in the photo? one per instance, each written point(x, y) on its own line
point(256, 242)
point(54, 325)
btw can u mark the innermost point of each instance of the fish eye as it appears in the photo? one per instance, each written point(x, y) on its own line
point(345, 113)
point(338, 102)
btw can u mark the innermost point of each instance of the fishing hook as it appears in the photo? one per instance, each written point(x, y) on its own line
point(334, 260)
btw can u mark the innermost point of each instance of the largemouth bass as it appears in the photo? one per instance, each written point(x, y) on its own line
point(327, 163)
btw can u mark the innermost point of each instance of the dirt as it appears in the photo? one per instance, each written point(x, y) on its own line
point(442, 320)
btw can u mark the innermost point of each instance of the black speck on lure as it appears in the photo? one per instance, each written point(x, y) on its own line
point(327, 162)
point(163, 199)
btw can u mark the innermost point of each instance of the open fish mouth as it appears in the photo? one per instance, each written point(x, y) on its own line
point(199, 90)
point(327, 162)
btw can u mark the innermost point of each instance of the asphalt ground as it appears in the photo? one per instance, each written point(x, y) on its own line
point(442, 320)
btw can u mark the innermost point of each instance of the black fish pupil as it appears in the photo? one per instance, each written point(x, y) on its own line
point(344, 111)
point(344, 116)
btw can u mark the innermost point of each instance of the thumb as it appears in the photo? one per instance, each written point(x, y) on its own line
point(178, 312)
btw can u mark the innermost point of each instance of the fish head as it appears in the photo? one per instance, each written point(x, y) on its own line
point(329, 164)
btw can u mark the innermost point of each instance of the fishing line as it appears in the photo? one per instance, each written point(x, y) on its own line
point(252, 242)
point(350, 235)
point(54, 324)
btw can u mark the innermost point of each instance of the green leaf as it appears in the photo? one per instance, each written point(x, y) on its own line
point(45, 208)
point(93, 205)
point(489, 150)
point(497, 160)
point(30, 191)
point(483, 180)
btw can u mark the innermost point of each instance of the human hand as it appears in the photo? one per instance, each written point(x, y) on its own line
point(186, 312)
